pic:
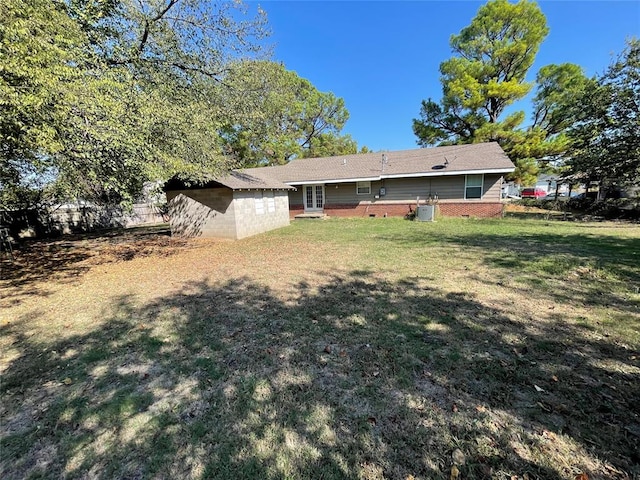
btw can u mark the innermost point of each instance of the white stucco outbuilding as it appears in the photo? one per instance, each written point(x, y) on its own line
point(234, 206)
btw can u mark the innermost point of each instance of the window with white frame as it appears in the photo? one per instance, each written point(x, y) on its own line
point(271, 202)
point(473, 186)
point(259, 201)
point(363, 188)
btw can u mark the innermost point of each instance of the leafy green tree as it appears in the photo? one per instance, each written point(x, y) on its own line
point(38, 42)
point(100, 95)
point(544, 144)
point(605, 136)
point(557, 89)
point(493, 55)
point(280, 116)
point(331, 144)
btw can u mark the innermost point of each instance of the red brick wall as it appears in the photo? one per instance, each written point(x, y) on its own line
point(459, 209)
point(366, 210)
point(295, 210)
point(448, 209)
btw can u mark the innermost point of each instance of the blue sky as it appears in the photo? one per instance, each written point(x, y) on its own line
point(383, 57)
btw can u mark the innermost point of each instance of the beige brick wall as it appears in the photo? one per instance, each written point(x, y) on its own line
point(251, 220)
point(223, 213)
point(202, 213)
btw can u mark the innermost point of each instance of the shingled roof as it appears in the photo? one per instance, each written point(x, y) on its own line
point(235, 180)
point(421, 162)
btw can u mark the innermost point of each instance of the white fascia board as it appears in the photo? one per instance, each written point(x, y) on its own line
point(339, 180)
point(438, 173)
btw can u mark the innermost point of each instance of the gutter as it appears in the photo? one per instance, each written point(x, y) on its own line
point(439, 173)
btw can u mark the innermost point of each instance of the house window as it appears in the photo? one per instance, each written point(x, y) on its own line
point(363, 188)
point(271, 202)
point(259, 201)
point(473, 186)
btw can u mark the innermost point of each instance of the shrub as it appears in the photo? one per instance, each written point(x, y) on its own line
point(610, 208)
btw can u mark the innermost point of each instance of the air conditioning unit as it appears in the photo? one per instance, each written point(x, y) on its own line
point(425, 213)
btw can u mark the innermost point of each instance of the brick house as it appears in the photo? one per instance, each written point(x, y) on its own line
point(235, 206)
point(462, 179)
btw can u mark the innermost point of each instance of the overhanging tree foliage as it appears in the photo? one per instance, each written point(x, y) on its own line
point(100, 95)
point(37, 46)
point(606, 134)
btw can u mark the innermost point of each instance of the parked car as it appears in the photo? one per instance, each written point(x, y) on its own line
point(553, 197)
point(533, 193)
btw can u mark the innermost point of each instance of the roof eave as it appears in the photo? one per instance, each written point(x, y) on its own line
point(440, 173)
point(239, 189)
point(374, 178)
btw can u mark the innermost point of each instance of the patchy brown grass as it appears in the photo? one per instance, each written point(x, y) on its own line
point(373, 348)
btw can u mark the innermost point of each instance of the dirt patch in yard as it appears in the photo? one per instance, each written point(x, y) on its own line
point(37, 266)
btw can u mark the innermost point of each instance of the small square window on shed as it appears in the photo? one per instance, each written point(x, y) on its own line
point(473, 186)
point(259, 201)
point(363, 188)
point(271, 202)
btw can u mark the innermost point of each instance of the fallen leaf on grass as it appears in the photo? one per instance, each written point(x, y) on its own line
point(455, 473)
point(582, 476)
point(548, 434)
point(458, 457)
point(454, 408)
point(554, 378)
point(544, 407)
point(67, 381)
point(538, 389)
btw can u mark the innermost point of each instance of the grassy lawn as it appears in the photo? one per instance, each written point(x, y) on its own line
point(363, 348)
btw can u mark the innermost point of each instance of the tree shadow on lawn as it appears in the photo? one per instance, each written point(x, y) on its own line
point(591, 269)
point(357, 378)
